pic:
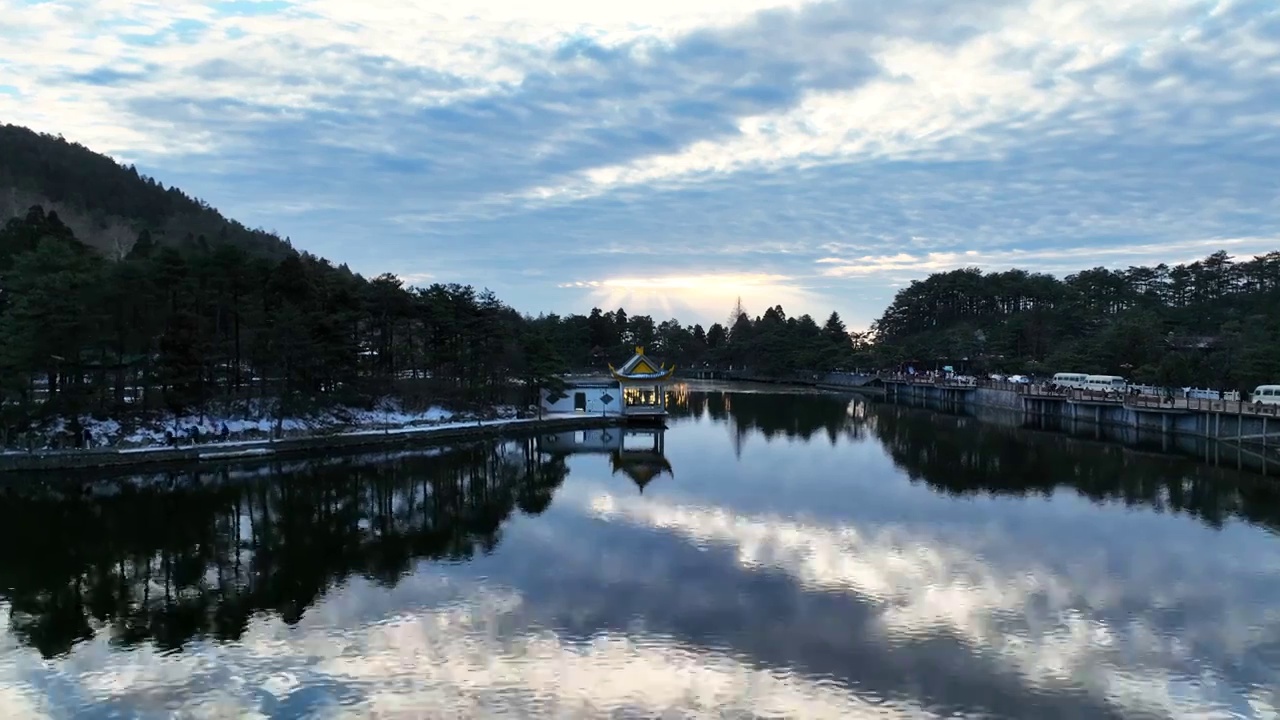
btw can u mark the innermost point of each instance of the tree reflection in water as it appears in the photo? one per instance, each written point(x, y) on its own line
point(961, 456)
point(793, 416)
point(168, 559)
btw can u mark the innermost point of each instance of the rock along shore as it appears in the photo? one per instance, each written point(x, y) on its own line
point(258, 450)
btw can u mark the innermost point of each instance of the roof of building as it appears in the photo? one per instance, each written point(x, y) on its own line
point(641, 367)
point(641, 466)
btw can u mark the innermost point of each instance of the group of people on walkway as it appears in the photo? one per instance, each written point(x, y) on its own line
point(82, 437)
point(193, 434)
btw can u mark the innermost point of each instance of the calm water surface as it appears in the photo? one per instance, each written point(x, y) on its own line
point(767, 556)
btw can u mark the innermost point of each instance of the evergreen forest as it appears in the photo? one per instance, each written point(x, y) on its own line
point(1212, 323)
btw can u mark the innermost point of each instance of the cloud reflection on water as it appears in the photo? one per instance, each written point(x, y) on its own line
point(441, 645)
point(1055, 626)
point(475, 654)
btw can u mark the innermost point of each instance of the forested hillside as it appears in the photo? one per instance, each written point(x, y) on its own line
point(107, 204)
point(179, 320)
point(1215, 322)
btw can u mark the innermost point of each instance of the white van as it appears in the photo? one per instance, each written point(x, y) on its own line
point(1266, 395)
point(1105, 383)
point(1071, 380)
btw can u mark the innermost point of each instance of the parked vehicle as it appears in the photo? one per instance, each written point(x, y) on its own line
point(1106, 383)
point(1266, 395)
point(1069, 380)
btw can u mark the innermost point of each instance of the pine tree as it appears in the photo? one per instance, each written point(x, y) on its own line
point(738, 311)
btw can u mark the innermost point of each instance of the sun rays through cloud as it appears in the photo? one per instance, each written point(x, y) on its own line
point(699, 296)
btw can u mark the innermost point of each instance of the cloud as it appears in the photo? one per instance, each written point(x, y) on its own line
point(481, 141)
point(418, 279)
point(1062, 260)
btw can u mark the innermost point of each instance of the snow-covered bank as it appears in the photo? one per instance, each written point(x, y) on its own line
point(245, 422)
point(300, 445)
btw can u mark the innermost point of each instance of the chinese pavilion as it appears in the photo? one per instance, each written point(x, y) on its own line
point(643, 386)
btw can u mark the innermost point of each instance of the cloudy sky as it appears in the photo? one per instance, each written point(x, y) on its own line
point(671, 154)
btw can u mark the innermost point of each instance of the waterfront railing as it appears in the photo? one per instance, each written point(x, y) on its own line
point(1181, 400)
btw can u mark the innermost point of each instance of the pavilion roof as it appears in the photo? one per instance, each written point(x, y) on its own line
point(641, 466)
point(642, 367)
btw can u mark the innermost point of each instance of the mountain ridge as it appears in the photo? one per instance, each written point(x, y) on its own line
point(108, 203)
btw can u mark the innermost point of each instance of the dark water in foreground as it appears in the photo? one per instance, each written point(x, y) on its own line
point(800, 556)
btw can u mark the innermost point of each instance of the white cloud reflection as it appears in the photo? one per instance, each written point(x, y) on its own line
point(1047, 624)
point(472, 655)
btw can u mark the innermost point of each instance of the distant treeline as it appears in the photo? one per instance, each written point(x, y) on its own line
point(1215, 322)
point(769, 345)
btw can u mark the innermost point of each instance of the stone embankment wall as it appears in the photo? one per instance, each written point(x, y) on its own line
point(1208, 430)
point(846, 379)
point(997, 399)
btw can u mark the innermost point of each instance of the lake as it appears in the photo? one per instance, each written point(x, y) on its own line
point(769, 555)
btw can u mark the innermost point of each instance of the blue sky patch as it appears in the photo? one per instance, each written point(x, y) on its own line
point(247, 8)
point(106, 77)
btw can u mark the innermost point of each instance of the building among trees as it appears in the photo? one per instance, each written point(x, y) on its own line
point(637, 390)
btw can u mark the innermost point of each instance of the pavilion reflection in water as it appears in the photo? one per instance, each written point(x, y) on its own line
point(638, 453)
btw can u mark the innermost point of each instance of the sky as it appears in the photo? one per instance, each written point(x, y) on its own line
point(671, 155)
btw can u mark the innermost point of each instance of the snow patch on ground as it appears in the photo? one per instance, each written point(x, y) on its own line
point(248, 423)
